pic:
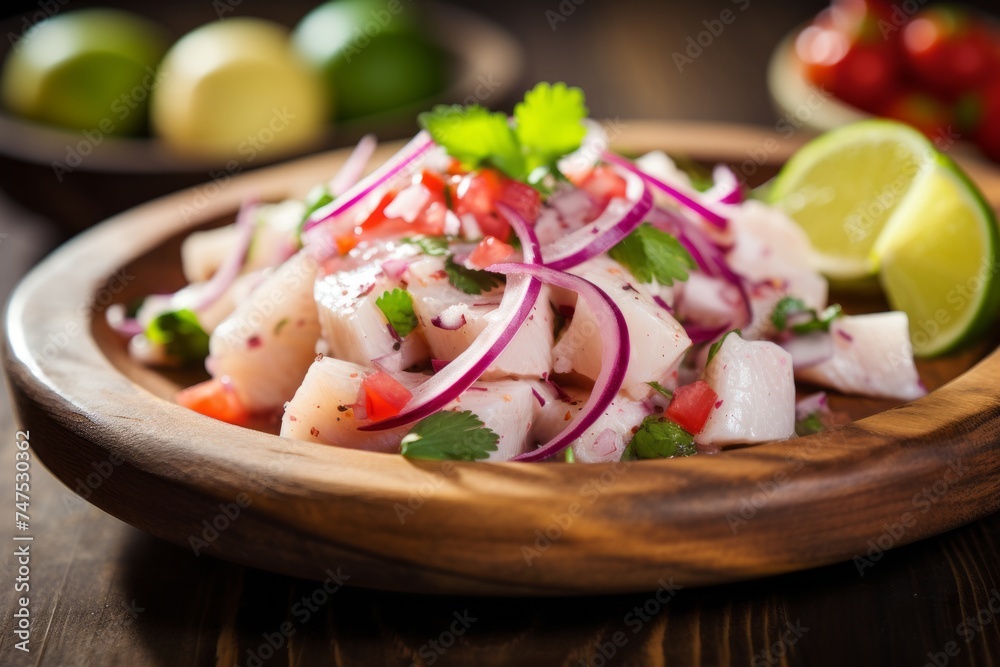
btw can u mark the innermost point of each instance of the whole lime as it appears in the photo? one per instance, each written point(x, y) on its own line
point(91, 69)
point(236, 89)
point(372, 55)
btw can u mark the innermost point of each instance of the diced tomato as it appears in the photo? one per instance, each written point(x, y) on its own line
point(490, 250)
point(479, 192)
point(214, 399)
point(691, 406)
point(604, 184)
point(434, 183)
point(384, 395)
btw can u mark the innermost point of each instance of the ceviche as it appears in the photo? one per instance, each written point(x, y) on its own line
point(507, 288)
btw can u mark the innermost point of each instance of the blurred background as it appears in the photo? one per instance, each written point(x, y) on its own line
point(104, 110)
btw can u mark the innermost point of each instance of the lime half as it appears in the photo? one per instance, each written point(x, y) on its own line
point(938, 260)
point(843, 187)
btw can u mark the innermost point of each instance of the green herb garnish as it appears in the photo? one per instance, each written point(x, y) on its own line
point(180, 334)
point(650, 253)
point(659, 438)
point(717, 345)
point(811, 424)
point(470, 281)
point(429, 245)
point(660, 389)
point(452, 436)
point(791, 306)
point(397, 306)
point(317, 198)
point(547, 125)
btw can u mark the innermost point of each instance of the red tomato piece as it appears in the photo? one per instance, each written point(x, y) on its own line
point(604, 184)
point(921, 111)
point(490, 250)
point(384, 395)
point(948, 51)
point(214, 399)
point(479, 192)
point(691, 406)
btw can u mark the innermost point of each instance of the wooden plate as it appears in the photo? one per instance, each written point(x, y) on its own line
point(103, 425)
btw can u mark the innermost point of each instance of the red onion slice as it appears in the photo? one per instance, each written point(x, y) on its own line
point(726, 188)
point(417, 147)
point(617, 221)
point(614, 351)
point(687, 199)
point(223, 278)
point(354, 166)
point(446, 385)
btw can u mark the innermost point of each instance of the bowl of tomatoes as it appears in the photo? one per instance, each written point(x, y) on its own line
point(933, 66)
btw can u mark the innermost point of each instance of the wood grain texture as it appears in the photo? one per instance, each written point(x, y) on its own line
point(804, 503)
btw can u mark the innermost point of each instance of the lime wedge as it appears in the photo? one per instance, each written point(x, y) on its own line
point(843, 187)
point(877, 199)
point(938, 260)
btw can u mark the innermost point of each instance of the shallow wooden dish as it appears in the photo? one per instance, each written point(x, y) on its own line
point(505, 529)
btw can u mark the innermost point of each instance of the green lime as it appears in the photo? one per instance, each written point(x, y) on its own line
point(843, 187)
point(938, 260)
point(236, 89)
point(92, 69)
point(372, 55)
point(877, 199)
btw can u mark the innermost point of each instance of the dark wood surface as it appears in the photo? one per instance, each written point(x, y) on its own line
point(103, 593)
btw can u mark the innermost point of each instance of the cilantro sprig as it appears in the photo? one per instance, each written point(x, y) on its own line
point(812, 423)
point(429, 245)
point(661, 390)
point(650, 253)
point(790, 306)
point(547, 125)
point(659, 438)
point(717, 345)
point(180, 334)
point(397, 306)
point(470, 281)
point(451, 436)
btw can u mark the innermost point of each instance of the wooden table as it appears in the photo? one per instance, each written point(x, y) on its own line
point(103, 593)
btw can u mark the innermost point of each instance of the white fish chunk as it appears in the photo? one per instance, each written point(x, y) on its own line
point(266, 345)
point(505, 406)
point(322, 408)
point(352, 324)
point(756, 394)
point(605, 439)
point(658, 341)
point(872, 356)
point(529, 354)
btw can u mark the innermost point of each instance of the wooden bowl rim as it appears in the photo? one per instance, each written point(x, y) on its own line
point(664, 519)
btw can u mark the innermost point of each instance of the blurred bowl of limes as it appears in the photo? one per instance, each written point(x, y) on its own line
point(102, 109)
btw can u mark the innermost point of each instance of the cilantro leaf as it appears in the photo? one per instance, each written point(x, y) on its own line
point(317, 198)
point(659, 438)
point(811, 424)
point(429, 245)
point(550, 123)
point(717, 345)
point(470, 281)
point(450, 435)
point(475, 135)
point(791, 306)
point(397, 306)
point(650, 253)
point(660, 389)
point(180, 334)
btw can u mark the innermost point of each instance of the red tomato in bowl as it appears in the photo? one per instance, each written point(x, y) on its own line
point(948, 51)
point(920, 110)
